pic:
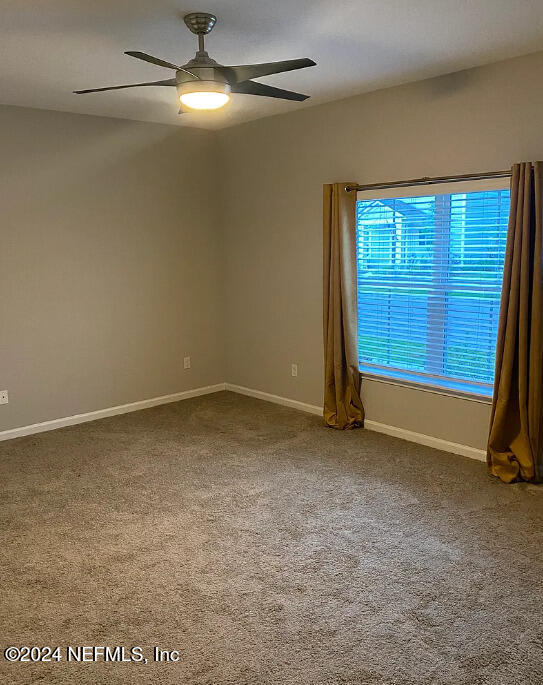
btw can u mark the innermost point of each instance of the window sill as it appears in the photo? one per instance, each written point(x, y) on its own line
point(427, 387)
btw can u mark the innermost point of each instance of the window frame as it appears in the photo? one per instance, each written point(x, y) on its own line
point(401, 377)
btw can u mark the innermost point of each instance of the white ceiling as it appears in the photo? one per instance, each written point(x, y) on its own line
point(50, 48)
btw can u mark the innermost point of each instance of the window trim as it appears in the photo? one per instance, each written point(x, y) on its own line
point(410, 379)
point(437, 389)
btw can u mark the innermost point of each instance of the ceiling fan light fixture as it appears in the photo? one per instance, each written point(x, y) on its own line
point(202, 95)
point(204, 100)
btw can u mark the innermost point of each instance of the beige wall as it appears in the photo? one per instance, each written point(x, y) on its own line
point(273, 171)
point(109, 263)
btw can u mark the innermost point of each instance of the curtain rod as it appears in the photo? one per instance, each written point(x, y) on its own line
point(428, 180)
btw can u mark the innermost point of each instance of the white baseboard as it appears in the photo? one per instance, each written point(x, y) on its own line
point(110, 411)
point(403, 433)
point(428, 440)
point(276, 399)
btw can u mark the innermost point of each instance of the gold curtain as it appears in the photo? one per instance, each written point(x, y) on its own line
point(515, 441)
point(342, 404)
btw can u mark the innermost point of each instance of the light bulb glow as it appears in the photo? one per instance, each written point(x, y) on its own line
point(204, 99)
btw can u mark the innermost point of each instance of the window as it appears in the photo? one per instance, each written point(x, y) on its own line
point(429, 276)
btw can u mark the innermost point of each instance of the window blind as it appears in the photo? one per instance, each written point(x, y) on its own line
point(429, 276)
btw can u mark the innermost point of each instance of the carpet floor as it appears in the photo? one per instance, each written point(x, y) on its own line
point(267, 550)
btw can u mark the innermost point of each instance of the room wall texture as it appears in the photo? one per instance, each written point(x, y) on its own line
point(272, 175)
point(109, 263)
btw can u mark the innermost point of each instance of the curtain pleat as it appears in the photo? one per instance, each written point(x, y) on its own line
point(515, 440)
point(342, 404)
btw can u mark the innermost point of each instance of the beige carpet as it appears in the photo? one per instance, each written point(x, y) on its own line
point(266, 549)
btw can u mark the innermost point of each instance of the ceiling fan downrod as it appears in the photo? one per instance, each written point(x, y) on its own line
point(200, 23)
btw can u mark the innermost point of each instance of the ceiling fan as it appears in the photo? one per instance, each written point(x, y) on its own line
point(202, 83)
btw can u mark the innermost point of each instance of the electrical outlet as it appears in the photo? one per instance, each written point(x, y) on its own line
point(4, 397)
point(294, 369)
point(186, 362)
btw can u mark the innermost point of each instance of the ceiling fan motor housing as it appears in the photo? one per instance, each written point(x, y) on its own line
point(205, 79)
point(202, 86)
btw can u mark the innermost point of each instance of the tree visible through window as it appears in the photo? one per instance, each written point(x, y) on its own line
point(429, 284)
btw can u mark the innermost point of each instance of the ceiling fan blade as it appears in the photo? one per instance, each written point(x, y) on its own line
point(167, 82)
point(253, 88)
point(244, 72)
point(154, 60)
point(159, 62)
